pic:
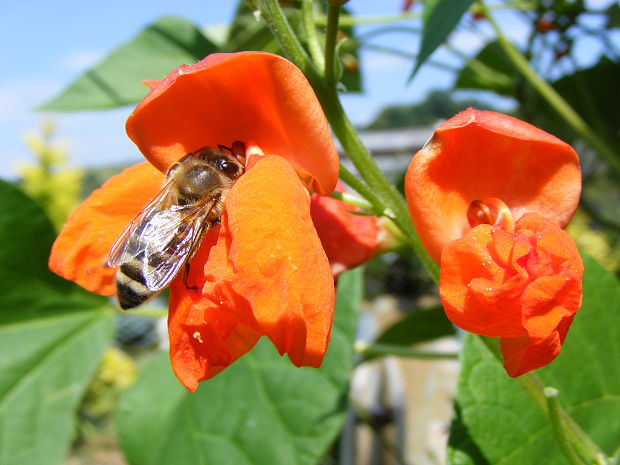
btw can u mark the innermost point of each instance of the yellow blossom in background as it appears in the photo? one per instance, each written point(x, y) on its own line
point(49, 180)
point(594, 241)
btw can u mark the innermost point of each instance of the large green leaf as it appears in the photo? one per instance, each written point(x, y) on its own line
point(50, 340)
point(117, 80)
point(490, 70)
point(440, 17)
point(589, 92)
point(497, 423)
point(261, 410)
point(26, 236)
point(414, 328)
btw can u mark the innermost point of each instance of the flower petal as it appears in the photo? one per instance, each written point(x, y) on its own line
point(262, 273)
point(81, 249)
point(482, 154)
point(238, 96)
point(348, 239)
point(523, 354)
point(277, 263)
point(525, 284)
point(205, 334)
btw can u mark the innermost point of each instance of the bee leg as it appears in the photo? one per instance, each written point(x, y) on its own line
point(186, 275)
point(205, 227)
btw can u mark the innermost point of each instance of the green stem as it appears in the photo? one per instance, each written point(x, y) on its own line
point(352, 200)
point(554, 408)
point(333, 13)
point(362, 189)
point(532, 385)
point(348, 20)
point(396, 207)
point(307, 17)
point(374, 350)
point(408, 56)
point(280, 28)
point(552, 97)
point(383, 190)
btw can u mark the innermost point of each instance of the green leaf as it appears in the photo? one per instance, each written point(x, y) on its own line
point(117, 80)
point(489, 70)
point(440, 17)
point(417, 327)
point(26, 236)
point(613, 16)
point(261, 410)
point(497, 423)
point(50, 340)
point(589, 92)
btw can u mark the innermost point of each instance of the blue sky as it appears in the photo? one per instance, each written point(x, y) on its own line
point(46, 44)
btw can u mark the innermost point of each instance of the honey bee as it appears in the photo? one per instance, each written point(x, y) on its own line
point(165, 235)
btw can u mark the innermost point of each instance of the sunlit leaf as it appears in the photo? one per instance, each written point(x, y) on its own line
point(51, 340)
point(440, 18)
point(416, 327)
point(260, 410)
point(117, 80)
point(497, 423)
point(490, 70)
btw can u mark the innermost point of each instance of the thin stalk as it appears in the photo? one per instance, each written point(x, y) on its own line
point(553, 406)
point(333, 13)
point(362, 189)
point(408, 56)
point(273, 15)
point(372, 350)
point(551, 96)
point(314, 46)
point(351, 199)
point(396, 207)
point(388, 30)
point(344, 130)
point(350, 20)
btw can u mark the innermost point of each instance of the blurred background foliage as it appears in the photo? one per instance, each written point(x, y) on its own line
point(483, 80)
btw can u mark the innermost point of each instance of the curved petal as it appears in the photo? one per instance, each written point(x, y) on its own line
point(263, 273)
point(276, 261)
point(81, 249)
point(238, 96)
point(523, 354)
point(348, 239)
point(500, 284)
point(482, 154)
point(205, 335)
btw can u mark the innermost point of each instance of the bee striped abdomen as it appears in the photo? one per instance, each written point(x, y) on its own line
point(131, 284)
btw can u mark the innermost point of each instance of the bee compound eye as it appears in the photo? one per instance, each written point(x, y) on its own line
point(227, 166)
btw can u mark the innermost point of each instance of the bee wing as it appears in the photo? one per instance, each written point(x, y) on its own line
point(178, 233)
point(126, 246)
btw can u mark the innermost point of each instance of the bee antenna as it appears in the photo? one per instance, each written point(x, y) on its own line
point(223, 147)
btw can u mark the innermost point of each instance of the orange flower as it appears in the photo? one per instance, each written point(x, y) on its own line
point(488, 195)
point(348, 239)
point(250, 276)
